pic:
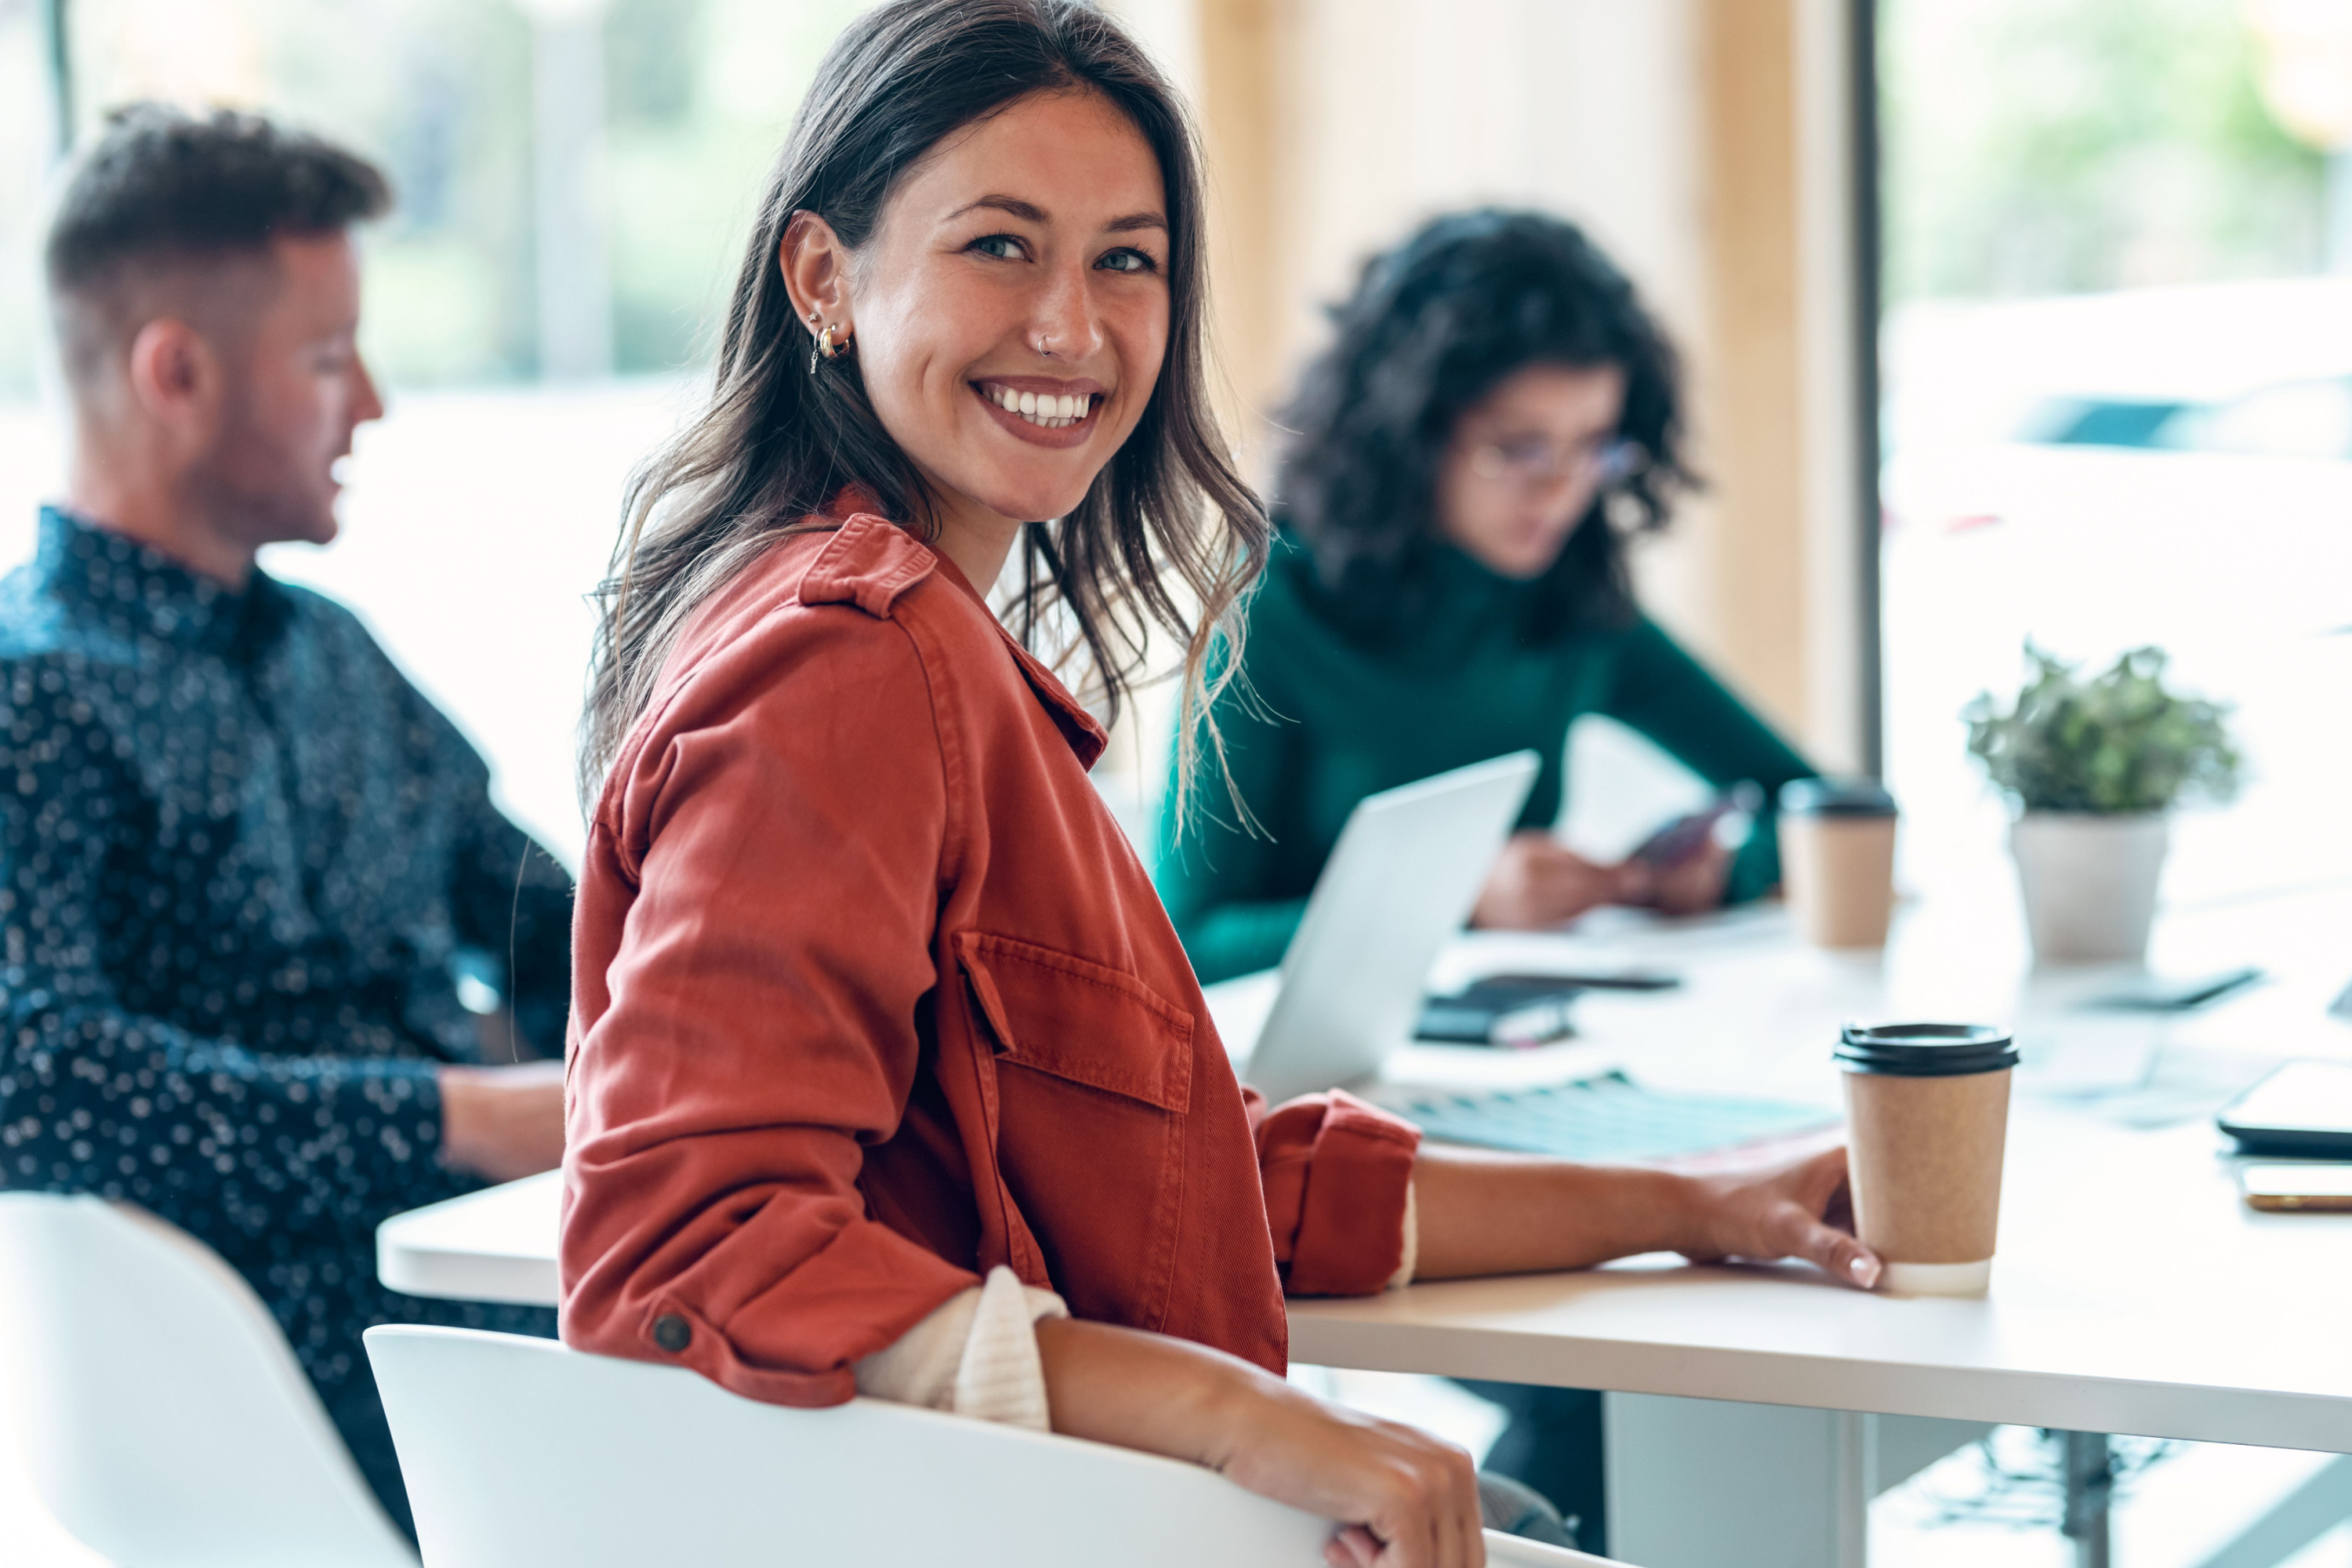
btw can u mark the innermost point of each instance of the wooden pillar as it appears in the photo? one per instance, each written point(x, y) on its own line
point(1245, 54)
point(1779, 410)
point(1749, 413)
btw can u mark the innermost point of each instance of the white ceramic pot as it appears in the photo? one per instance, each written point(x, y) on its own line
point(2089, 881)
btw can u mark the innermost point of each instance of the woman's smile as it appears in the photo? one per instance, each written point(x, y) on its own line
point(1042, 410)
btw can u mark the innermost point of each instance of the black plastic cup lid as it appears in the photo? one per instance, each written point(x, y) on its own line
point(1926, 1050)
point(1836, 797)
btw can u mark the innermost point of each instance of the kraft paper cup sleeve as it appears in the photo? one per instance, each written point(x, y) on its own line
point(1926, 1156)
point(1838, 874)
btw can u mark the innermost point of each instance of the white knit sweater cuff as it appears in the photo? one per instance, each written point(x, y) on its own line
point(1405, 1265)
point(976, 1356)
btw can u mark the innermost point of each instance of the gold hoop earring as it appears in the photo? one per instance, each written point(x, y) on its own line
point(826, 348)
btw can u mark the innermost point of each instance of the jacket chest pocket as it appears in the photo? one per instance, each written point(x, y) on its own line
point(1092, 1074)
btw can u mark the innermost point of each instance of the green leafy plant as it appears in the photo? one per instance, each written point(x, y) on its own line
point(2116, 741)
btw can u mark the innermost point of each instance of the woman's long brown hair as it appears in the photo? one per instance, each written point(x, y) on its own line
point(1168, 521)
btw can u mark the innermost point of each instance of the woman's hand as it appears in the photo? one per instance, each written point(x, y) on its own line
point(1800, 1210)
point(1404, 1499)
point(1537, 882)
point(1414, 1497)
point(1483, 1213)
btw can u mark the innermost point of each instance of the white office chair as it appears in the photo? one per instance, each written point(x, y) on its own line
point(164, 1417)
point(522, 1453)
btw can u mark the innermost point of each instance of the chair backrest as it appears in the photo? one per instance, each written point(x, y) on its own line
point(522, 1453)
point(162, 1415)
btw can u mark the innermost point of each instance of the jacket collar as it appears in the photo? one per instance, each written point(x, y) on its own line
point(854, 510)
point(93, 571)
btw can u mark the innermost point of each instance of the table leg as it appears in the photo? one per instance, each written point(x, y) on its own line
point(2090, 1488)
point(1705, 1483)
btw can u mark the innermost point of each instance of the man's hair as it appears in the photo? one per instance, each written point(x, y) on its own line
point(163, 190)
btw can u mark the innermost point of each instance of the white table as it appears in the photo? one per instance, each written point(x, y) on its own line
point(2134, 1293)
point(497, 1245)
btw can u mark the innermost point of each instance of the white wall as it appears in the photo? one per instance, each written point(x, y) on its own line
point(1589, 108)
point(1408, 108)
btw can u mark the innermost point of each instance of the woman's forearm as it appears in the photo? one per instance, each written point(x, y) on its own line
point(1518, 1214)
point(1384, 1482)
point(1138, 1390)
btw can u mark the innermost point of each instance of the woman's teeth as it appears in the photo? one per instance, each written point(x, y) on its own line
point(1048, 411)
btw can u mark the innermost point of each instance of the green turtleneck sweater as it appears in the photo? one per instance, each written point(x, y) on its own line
point(1331, 711)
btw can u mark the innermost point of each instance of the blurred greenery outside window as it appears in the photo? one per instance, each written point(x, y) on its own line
point(2033, 147)
point(2040, 147)
point(697, 97)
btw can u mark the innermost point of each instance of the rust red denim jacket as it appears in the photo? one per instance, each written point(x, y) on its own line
point(871, 995)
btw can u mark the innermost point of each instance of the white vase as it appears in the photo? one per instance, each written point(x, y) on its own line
point(2089, 880)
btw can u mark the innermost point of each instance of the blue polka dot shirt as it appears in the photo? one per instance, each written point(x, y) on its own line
point(243, 862)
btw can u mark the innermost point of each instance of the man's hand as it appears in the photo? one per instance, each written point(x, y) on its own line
point(1538, 882)
point(1800, 1210)
point(503, 1123)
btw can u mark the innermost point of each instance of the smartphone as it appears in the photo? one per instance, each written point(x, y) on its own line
point(2161, 994)
point(2304, 1107)
point(2326, 1188)
point(1685, 837)
point(1592, 980)
point(1514, 1010)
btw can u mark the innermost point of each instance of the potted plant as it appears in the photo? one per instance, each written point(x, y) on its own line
point(2093, 765)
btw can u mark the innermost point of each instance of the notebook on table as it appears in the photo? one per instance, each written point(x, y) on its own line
point(1605, 1120)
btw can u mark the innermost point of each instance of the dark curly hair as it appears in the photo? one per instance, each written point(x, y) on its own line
point(1433, 327)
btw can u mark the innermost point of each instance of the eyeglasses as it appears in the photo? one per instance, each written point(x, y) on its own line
point(1531, 462)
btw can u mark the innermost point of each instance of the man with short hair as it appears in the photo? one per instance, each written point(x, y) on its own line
point(240, 857)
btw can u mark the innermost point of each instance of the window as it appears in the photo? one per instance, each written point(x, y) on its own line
point(536, 321)
point(2119, 400)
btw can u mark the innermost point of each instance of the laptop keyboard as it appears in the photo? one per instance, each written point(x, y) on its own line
point(1603, 1118)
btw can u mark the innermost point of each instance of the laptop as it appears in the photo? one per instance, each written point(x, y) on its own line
point(1400, 882)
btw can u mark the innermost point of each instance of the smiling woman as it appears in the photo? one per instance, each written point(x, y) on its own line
point(944, 308)
point(889, 1073)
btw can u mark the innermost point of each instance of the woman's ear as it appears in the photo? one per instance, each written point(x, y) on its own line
point(815, 266)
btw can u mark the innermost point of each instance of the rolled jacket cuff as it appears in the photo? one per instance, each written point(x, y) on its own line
point(1350, 1239)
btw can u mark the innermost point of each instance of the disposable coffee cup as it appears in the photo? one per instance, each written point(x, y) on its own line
point(1928, 1117)
point(1837, 859)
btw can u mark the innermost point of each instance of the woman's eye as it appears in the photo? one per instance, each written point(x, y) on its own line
point(1126, 262)
point(1002, 246)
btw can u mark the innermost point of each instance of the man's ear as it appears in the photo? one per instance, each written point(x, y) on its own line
point(176, 378)
point(815, 266)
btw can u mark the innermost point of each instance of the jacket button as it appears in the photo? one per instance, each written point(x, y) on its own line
point(672, 1332)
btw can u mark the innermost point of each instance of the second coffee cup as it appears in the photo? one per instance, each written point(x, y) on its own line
point(1927, 1114)
point(1837, 859)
